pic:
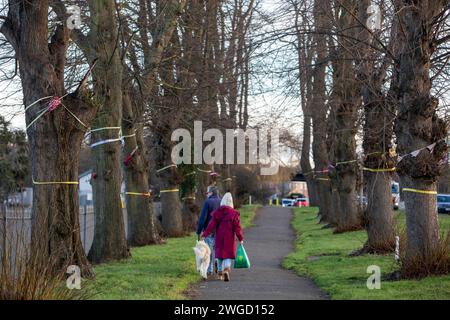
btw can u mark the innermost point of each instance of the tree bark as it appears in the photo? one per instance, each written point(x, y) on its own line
point(304, 52)
point(378, 132)
point(190, 209)
point(320, 107)
point(347, 100)
point(165, 121)
point(109, 237)
point(417, 126)
point(142, 228)
point(55, 139)
point(377, 141)
point(172, 218)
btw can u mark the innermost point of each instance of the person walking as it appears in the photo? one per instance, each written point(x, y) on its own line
point(211, 204)
point(226, 223)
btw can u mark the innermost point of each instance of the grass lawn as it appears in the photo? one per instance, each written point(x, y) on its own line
point(160, 272)
point(324, 257)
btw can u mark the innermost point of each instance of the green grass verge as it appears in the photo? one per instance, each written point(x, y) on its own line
point(248, 214)
point(159, 272)
point(324, 257)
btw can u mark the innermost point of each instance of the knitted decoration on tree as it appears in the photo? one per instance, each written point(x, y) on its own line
point(128, 159)
point(54, 104)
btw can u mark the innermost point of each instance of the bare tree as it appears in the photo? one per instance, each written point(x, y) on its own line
point(345, 102)
point(138, 88)
point(55, 139)
point(101, 44)
point(418, 125)
point(305, 53)
point(373, 62)
point(319, 109)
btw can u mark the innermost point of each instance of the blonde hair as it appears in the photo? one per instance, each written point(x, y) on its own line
point(227, 200)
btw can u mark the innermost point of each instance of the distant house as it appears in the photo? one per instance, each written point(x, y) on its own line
point(24, 198)
point(85, 188)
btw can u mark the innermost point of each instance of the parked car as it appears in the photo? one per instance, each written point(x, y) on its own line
point(301, 202)
point(287, 202)
point(443, 203)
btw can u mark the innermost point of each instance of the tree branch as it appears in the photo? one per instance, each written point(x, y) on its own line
point(9, 30)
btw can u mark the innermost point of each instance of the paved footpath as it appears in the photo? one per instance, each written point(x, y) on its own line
point(267, 243)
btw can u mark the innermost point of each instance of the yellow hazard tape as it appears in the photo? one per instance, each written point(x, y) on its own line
point(420, 191)
point(346, 162)
point(380, 170)
point(170, 190)
point(374, 153)
point(54, 182)
point(144, 194)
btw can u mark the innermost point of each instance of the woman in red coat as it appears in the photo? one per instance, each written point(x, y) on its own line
point(226, 223)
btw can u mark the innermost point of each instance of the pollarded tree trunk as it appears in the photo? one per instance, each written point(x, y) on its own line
point(417, 126)
point(304, 53)
point(191, 213)
point(345, 117)
point(55, 138)
point(109, 238)
point(320, 107)
point(55, 145)
point(190, 209)
point(345, 176)
point(163, 120)
point(330, 141)
point(378, 132)
point(141, 220)
point(172, 218)
point(167, 172)
point(380, 217)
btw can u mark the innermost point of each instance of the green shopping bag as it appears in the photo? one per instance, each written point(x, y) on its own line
point(241, 261)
